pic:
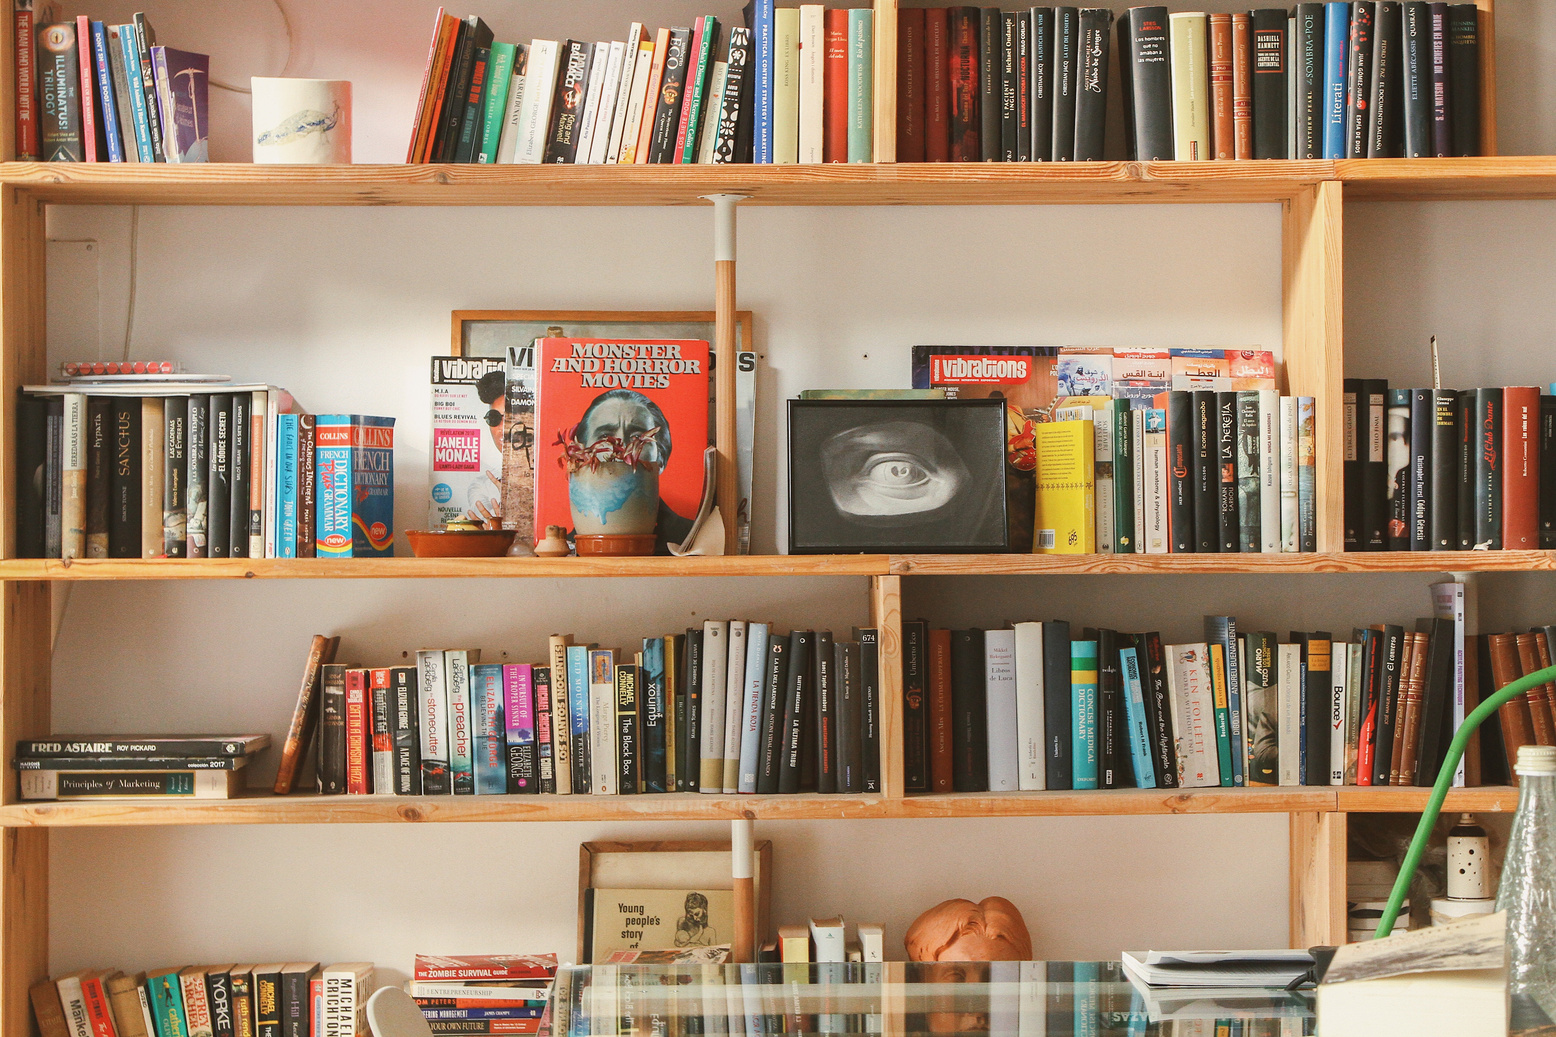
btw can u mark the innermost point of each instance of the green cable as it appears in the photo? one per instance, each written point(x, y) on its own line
point(1434, 805)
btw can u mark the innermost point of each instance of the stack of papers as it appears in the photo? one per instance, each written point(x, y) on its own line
point(1277, 968)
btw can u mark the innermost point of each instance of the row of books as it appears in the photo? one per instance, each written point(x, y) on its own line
point(732, 707)
point(198, 470)
point(482, 994)
point(132, 766)
point(295, 999)
point(1449, 469)
point(87, 91)
point(790, 86)
point(1034, 708)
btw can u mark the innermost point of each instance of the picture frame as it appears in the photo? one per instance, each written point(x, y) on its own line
point(673, 865)
point(897, 476)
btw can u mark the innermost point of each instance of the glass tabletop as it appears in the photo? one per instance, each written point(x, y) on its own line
point(1024, 999)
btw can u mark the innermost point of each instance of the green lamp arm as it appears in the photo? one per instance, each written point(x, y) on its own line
point(1434, 805)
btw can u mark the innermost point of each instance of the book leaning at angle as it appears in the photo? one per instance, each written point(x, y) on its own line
point(658, 919)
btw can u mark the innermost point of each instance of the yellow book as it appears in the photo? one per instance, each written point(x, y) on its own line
point(1066, 489)
point(786, 85)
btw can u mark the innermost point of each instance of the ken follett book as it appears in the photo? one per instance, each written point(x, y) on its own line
point(608, 406)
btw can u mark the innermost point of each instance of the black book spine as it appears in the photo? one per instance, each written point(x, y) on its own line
point(667, 114)
point(545, 735)
point(573, 82)
point(59, 93)
point(1180, 473)
point(296, 1002)
point(1249, 515)
point(850, 717)
point(124, 506)
point(1207, 481)
point(1423, 429)
point(1126, 88)
point(1383, 120)
point(1399, 470)
point(1158, 710)
point(688, 734)
point(1226, 472)
point(1351, 472)
point(1042, 84)
point(1023, 86)
point(1112, 732)
point(825, 691)
point(1436, 689)
point(1091, 93)
point(1269, 83)
point(810, 726)
point(405, 730)
point(1488, 470)
point(915, 728)
point(1417, 35)
point(1547, 472)
point(870, 710)
point(1009, 113)
point(1372, 411)
point(446, 136)
point(1444, 509)
point(332, 729)
point(1318, 689)
point(1310, 81)
point(1358, 89)
point(774, 699)
point(1066, 79)
point(197, 457)
point(1145, 56)
point(239, 454)
point(1464, 79)
point(473, 117)
point(218, 993)
point(99, 475)
point(1058, 719)
point(651, 704)
point(990, 60)
point(53, 488)
point(677, 707)
point(32, 419)
point(969, 713)
point(1469, 439)
point(1442, 135)
point(1388, 692)
point(735, 108)
point(628, 748)
point(965, 85)
point(801, 645)
point(175, 475)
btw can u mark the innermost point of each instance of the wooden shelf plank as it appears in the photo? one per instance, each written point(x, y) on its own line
point(419, 568)
point(1448, 179)
point(1210, 564)
point(1100, 803)
point(1490, 800)
point(834, 184)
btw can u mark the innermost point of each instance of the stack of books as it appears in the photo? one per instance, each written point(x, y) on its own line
point(483, 993)
point(124, 766)
point(91, 92)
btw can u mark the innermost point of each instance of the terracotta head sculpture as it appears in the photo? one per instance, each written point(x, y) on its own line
point(960, 930)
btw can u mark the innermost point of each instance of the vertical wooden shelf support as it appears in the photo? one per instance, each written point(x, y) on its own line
point(1318, 848)
point(726, 325)
point(886, 616)
point(1312, 292)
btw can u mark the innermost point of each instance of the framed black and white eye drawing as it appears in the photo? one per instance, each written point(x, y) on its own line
point(884, 476)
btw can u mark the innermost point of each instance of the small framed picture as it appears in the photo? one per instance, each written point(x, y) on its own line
point(888, 476)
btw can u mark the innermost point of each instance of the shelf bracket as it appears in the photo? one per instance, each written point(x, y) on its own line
point(725, 348)
point(743, 950)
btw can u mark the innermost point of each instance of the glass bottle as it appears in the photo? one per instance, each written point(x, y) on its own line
point(1528, 890)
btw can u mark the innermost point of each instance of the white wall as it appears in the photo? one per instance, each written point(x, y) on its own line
point(343, 306)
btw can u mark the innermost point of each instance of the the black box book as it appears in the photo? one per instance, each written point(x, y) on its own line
point(1358, 90)
point(1384, 122)
point(1488, 470)
point(1436, 694)
point(1042, 84)
point(1444, 508)
point(1375, 514)
point(667, 114)
point(59, 92)
point(915, 727)
point(32, 418)
point(197, 453)
point(869, 708)
point(735, 108)
point(1417, 53)
point(628, 748)
point(688, 728)
point(825, 695)
point(850, 717)
point(1547, 447)
point(810, 727)
point(1180, 472)
point(799, 691)
point(1464, 79)
point(1269, 83)
point(1058, 718)
point(990, 55)
point(1423, 428)
point(567, 114)
point(1145, 80)
point(124, 508)
point(240, 457)
point(1091, 92)
point(1317, 691)
point(969, 713)
point(1309, 74)
point(175, 490)
point(1388, 702)
point(1468, 441)
point(1207, 474)
point(1066, 80)
point(405, 729)
point(332, 729)
point(1442, 135)
point(1009, 113)
point(775, 691)
point(1112, 736)
point(1230, 527)
point(267, 1000)
point(99, 474)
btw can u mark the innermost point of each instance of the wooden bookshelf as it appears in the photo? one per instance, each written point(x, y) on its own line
point(1224, 564)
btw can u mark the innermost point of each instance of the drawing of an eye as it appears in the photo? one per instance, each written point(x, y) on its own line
point(892, 471)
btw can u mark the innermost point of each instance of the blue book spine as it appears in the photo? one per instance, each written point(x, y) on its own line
point(578, 708)
point(286, 486)
point(332, 477)
point(1337, 39)
point(137, 92)
point(109, 110)
point(491, 764)
point(1134, 713)
point(1088, 999)
point(651, 706)
point(372, 486)
point(762, 32)
point(1083, 703)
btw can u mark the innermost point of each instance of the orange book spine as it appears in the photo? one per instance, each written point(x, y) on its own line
point(1222, 128)
point(1517, 729)
point(428, 132)
point(1411, 695)
point(306, 714)
point(656, 75)
point(1539, 711)
point(1521, 469)
point(940, 761)
point(834, 144)
point(412, 151)
point(1242, 86)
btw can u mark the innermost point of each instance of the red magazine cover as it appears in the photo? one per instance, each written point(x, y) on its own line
point(621, 430)
point(484, 966)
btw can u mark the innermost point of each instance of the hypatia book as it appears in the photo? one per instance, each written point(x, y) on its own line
point(615, 417)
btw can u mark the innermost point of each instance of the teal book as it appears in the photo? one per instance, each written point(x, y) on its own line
point(578, 711)
point(1088, 999)
point(499, 78)
point(1135, 719)
point(1222, 630)
point(1218, 689)
point(1083, 701)
point(861, 83)
point(488, 722)
point(165, 998)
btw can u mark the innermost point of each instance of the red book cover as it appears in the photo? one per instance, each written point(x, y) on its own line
point(26, 70)
point(940, 762)
point(97, 1010)
point(962, 69)
point(621, 424)
point(1223, 131)
point(411, 151)
point(426, 133)
point(88, 89)
point(834, 147)
point(1520, 468)
point(937, 84)
point(699, 28)
point(383, 740)
point(910, 84)
point(434, 967)
point(316, 1003)
point(359, 719)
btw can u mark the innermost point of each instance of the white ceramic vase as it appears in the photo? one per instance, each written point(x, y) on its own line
point(302, 121)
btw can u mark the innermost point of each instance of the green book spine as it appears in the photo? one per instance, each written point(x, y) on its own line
point(1218, 687)
point(861, 79)
point(1123, 481)
point(1083, 699)
point(696, 89)
point(499, 76)
point(167, 1005)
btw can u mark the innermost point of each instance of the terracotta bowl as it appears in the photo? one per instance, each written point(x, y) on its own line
point(460, 543)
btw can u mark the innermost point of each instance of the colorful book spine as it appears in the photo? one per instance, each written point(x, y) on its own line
point(1337, 30)
point(461, 746)
point(286, 485)
point(761, 18)
point(108, 108)
point(577, 660)
point(489, 764)
point(1083, 699)
point(359, 734)
point(519, 725)
point(332, 472)
point(1134, 712)
point(861, 104)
